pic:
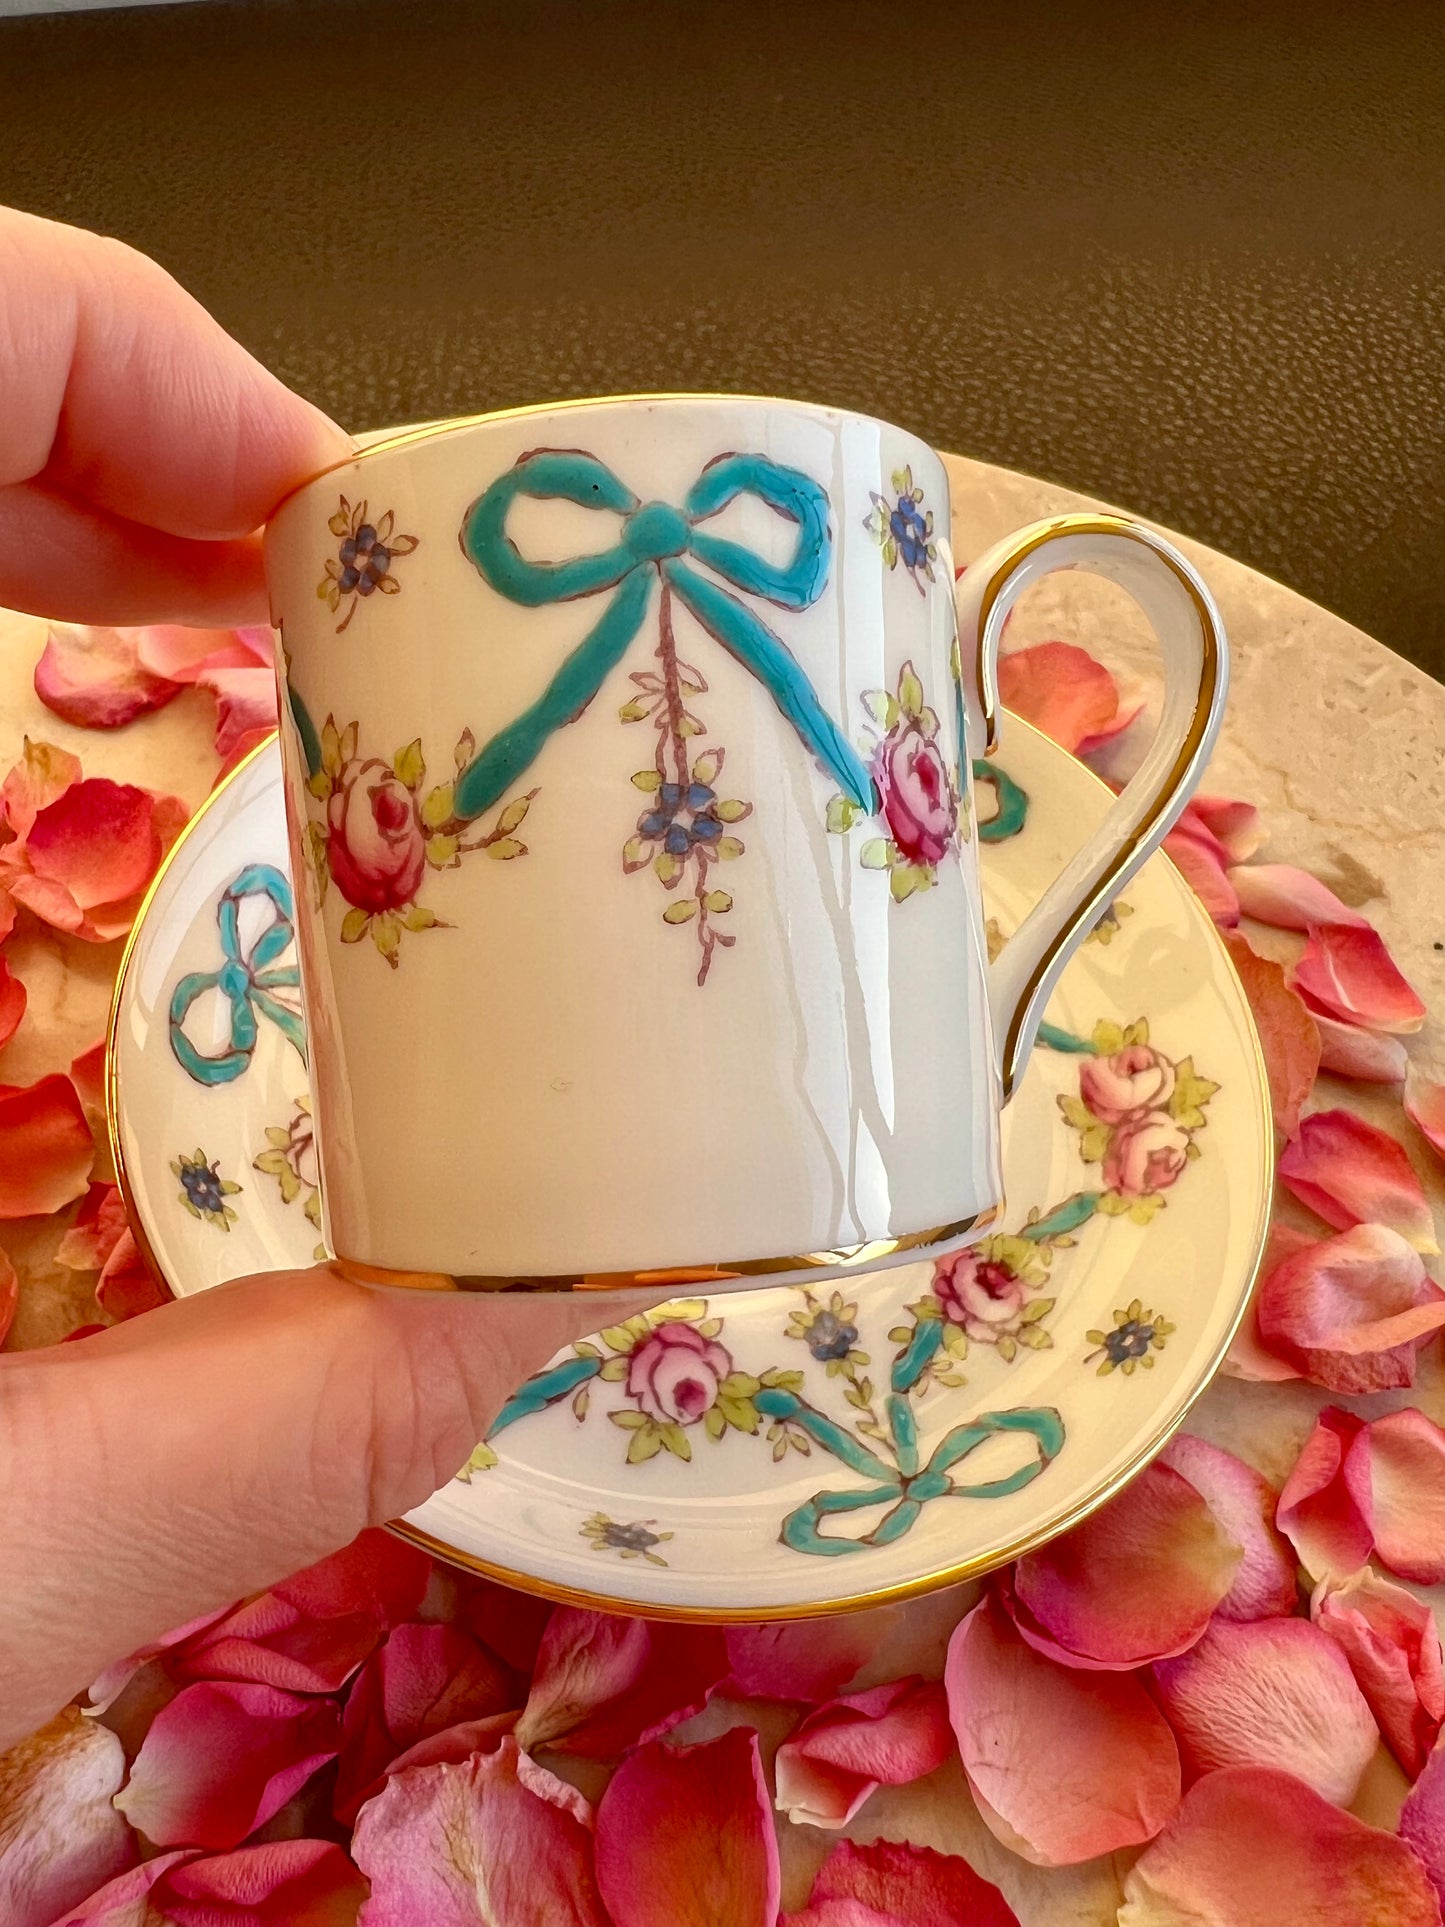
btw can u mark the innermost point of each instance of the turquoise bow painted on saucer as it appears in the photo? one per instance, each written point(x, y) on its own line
point(658, 543)
point(244, 980)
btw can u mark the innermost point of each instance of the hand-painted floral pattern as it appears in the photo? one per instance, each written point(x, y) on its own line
point(362, 563)
point(290, 1158)
point(384, 830)
point(634, 1541)
point(1132, 1340)
point(251, 978)
point(204, 1191)
point(919, 802)
point(1138, 1115)
point(903, 529)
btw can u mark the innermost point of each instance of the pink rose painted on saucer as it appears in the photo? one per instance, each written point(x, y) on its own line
point(982, 1291)
point(1146, 1155)
point(1137, 1113)
point(1127, 1084)
point(675, 1374)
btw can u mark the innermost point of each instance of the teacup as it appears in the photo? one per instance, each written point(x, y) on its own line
point(629, 758)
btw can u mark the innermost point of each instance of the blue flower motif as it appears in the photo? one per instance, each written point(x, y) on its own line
point(903, 529)
point(362, 562)
point(203, 1190)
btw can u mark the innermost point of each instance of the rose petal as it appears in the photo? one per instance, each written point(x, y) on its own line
point(1325, 1509)
point(245, 705)
point(1194, 857)
point(60, 1837)
point(1350, 974)
point(495, 1841)
point(1062, 690)
point(900, 1885)
point(1393, 1646)
point(1422, 1820)
point(422, 1681)
point(122, 1902)
point(87, 1074)
point(1349, 1172)
point(113, 1681)
point(12, 1003)
point(1269, 1692)
point(9, 1294)
point(89, 856)
point(1249, 1358)
point(1252, 1848)
point(99, 1224)
point(841, 1754)
point(127, 1286)
point(455, 1743)
point(1287, 1032)
point(604, 1683)
point(800, 1659)
point(282, 1883)
point(1290, 899)
point(1424, 1106)
point(1235, 825)
point(510, 1623)
point(94, 677)
point(1243, 1501)
point(1352, 1311)
point(183, 655)
point(43, 775)
point(46, 1149)
point(221, 1758)
point(1370, 1056)
point(1407, 1488)
point(685, 1837)
point(1079, 1599)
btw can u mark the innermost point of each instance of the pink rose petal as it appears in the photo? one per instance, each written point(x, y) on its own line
point(1391, 1641)
point(9, 1294)
point(841, 1754)
point(1064, 1764)
point(12, 1003)
point(87, 1074)
point(185, 655)
point(1352, 1311)
point(1235, 825)
point(510, 1623)
point(283, 1883)
point(455, 1743)
point(117, 1676)
point(127, 1286)
point(1288, 1035)
point(1254, 1848)
point(1350, 974)
point(495, 1841)
point(1325, 1509)
point(46, 1150)
point(604, 1683)
point(88, 857)
point(245, 706)
point(1290, 899)
point(94, 677)
point(122, 1902)
point(1063, 691)
point(98, 1225)
point(1369, 1056)
point(1407, 1488)
point(1422, 1820)
point(895, 1884)
point(1349, 1172)
point(685, 1837)
point(422, 1681)
point(799, 1659)
point(1243, 1501)
point(41, 777)
point(1269, 1692)
point(60, 1837)
point(1194, 856)
point(1424, 1106)
point(1249, 1357)
point(221, 1758)
point(1079, 1599)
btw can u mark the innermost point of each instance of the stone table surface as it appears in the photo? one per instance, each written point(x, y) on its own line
point(1339, 742)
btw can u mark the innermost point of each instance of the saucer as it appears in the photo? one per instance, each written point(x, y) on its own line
point(787, 1450)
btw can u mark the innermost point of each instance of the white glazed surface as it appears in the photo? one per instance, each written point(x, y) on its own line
point(563, 1507)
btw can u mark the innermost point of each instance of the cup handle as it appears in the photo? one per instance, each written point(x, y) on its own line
point(1196, 677)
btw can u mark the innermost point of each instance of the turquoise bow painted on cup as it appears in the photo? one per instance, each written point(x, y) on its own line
point(244, 980)
point(658, 543)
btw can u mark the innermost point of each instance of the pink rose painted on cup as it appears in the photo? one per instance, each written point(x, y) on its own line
point(376, 847)
point(1145, 1155)
point(1128, 1084)
point(675, 1372)
point(919, 805)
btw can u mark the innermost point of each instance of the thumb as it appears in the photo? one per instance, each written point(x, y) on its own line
point(163, 1468)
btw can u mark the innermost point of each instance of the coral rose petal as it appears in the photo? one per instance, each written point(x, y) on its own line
point(1351, 1311)
point(1080, 1596)
point(1290, 899)
point(1065, 1764)
point(455, 1743)
point(1249, 1357)
point(1368, 1056)
point(245, 705)
point(1326, 1506)
point(1062, 690)
point(1269, 1692)
point(46, 1150)
point(510, 1623)
point(899, 1885)
point(1349, 1172)
point(124, 1901)
point(94, 677)
point(494, 1841)
point(1195, 859)
point(1288, 1034)
point(1390, 1638)
point(604, 1683)
point(9, 1294)
point(1350, 974)
point(127, 1286)
point(221, 1758)
point(43, 775)
point(60, 1837)
point(1235, 825)
point(184, 655)
point(685, 1837)
point(87, 1074)
point(887, 1736)
point(12, 1003)
point(800, 1659)
point(1407, 1488)
point(89, 855)
point(1424, 1104)
point(1254, 1848)
point(282, 1883)
point(1243, 1501)
point(98, 1226)
point(1422, 1820)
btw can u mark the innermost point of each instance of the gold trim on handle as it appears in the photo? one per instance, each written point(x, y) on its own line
point(1091, 908)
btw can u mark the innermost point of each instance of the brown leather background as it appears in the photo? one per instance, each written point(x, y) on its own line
point(1190, 257)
